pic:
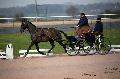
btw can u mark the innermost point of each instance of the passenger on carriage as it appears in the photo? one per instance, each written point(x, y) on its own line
point(82, 26)
point(98, 29)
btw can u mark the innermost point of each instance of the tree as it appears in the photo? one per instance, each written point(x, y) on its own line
point(72, 11)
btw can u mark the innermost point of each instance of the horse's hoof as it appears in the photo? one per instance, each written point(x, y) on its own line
point(43, 54)
point(24, 56)
point(47, 54)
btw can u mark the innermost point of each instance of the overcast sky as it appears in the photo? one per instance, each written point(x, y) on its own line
point(11, 3)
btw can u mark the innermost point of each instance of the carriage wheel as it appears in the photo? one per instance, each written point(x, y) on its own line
point(104, 46)
point(90, 50)
point(82, 51)
point(71, 51)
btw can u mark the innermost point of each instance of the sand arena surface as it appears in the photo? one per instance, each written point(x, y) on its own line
point(62, 67)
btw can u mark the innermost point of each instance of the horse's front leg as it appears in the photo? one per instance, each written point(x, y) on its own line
point(28, 49)
point(52, 43)
point(37, 47)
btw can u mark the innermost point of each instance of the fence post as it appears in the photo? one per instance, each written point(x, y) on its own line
point(9, 51)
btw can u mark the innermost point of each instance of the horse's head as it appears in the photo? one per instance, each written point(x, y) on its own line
point(24, 25)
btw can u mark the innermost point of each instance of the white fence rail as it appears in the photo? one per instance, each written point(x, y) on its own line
point(3, 55)
point(22, 52)
point(115, 48)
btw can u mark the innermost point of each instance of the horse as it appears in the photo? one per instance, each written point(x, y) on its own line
point(42, 35)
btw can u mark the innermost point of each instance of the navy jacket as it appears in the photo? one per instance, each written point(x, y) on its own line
point(98, 27)
point(83, 21)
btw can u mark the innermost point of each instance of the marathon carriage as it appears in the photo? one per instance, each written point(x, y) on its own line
point(87, 43)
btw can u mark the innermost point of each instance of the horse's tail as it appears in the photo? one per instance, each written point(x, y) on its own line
point(66, 36)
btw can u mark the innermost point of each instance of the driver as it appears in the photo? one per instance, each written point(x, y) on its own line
point(82, 26)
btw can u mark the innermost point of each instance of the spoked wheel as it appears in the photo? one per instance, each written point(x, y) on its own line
point(71, 51)
point(104, 46)
point(82, 52)
point(81, 49)
point(90, 50)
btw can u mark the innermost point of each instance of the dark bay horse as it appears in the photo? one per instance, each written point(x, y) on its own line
point(42, 35)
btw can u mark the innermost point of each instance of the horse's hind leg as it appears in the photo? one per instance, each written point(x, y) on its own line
point(52, 43)
point(28, 49)
point(37, 47)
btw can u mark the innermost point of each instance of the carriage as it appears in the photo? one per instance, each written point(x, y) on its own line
point(90, 43)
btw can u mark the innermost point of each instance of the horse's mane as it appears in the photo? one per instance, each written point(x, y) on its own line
point(31, 24)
